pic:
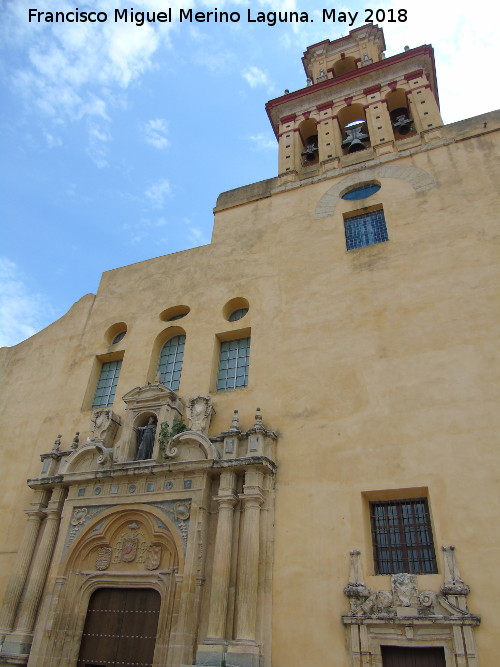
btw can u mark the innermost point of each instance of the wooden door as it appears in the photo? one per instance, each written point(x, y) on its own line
point(399, 656)
point(120, 628)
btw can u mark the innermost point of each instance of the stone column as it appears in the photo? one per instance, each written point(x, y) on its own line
point(222, 556)
point(17, 581)
point(34, 588)
point(248, 570)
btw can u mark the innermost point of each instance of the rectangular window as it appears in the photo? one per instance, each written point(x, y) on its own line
point(233, 364)
point(402, 537)
point(365, 229)
point(106, 385)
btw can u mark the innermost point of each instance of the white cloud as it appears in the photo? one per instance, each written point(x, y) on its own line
point(256, 77)
point(155, 133)
point(23, 312)
point(463, 43)
point(158, 192)
point(97, 148)
point(52, 141)
point(264, 141)
point(71, 66)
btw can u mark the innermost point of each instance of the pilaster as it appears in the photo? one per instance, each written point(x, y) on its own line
point(248, 575)
point(226, 500)
point(17, 581)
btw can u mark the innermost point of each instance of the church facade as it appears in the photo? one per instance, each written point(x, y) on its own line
point(278, 449)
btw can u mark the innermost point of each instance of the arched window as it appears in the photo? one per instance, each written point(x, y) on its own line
point(170, 362)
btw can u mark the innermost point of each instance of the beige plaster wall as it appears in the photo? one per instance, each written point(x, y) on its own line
point(377, 366)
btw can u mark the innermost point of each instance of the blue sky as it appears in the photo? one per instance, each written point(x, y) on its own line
point(116, 139)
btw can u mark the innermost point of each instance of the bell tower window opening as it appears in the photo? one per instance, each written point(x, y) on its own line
point(344, 65)
point(399, 112)
point(309, 136)
point(352, 120)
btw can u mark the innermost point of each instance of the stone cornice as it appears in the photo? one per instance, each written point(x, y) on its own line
point(136, 469)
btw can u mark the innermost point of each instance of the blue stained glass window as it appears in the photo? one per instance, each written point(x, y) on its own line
point(233, 364)
point(361, 192)
point(106, 386)
point(170, 363)
point(365, 229)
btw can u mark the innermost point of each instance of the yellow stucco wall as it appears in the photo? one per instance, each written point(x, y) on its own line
point(378, 367)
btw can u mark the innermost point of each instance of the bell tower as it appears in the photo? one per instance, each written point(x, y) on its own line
point(357, 105)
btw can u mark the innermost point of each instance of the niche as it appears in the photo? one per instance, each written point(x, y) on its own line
point(144, 432)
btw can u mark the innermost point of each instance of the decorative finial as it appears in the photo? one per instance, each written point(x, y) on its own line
point(57, 443)
point(235, 423)
point(356, 589)
point(453, 582)
point(258, 419)
point(407, 48)
point(76, 440)
point(286, 91)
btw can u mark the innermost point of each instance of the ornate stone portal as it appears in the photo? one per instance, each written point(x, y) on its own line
point(405, 616)
point(165, 524)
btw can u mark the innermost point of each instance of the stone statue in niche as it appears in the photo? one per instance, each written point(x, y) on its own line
point(146, 440)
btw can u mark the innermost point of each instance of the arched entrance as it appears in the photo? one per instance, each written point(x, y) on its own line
point(120, 628)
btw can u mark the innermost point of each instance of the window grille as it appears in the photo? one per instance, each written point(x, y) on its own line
point(402, 537)
point(106, 386)
point(233, 364)
point(170, 362)
point(365, 229)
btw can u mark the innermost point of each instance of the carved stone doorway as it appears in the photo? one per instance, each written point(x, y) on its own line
point(398, 656)
point(120, 628)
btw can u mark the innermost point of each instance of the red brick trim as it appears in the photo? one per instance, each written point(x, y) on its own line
point(414, 75)
point(372, 89)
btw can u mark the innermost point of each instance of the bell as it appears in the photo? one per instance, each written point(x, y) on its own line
point(401, 121)
point(309, 155)
point(356, 146)
point(355, 137)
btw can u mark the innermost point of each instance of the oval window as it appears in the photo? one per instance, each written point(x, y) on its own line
point(118, 337)
point(361, 191)
point(237, 314)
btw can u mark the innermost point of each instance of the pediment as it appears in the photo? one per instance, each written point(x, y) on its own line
point(91, 456)
point(192, 446)
point(150, 394)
